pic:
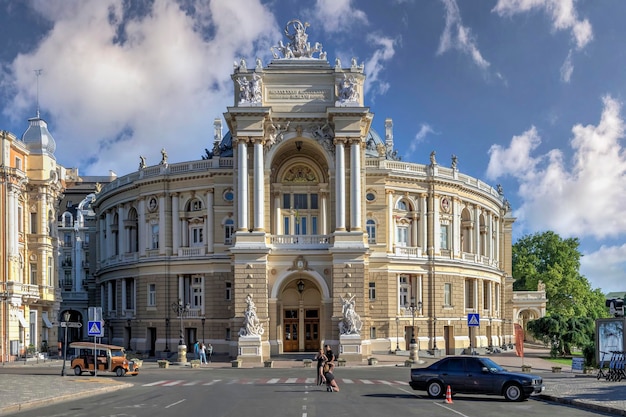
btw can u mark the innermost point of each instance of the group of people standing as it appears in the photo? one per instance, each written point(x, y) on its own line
point(325, 366)
point(203, 352)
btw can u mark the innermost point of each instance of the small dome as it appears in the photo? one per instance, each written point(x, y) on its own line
point(372, 141)
point(38, 139)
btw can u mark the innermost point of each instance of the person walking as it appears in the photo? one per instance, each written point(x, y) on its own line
point(196, 350)
point(202, 351)
point(321, 359)
point(209, 351)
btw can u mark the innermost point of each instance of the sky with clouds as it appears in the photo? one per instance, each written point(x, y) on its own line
point(528, 94)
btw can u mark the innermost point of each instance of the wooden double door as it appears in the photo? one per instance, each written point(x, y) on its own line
point(301, 333)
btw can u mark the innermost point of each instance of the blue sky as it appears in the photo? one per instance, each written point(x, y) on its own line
point(527, 93)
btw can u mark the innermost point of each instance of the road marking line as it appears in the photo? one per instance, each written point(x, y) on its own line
point(172, 383)
point(273, 381)
point(154, 383)
point(176, 403)
point(212, 382)
point(366, 381)
point(291, 380)
point(347, 381)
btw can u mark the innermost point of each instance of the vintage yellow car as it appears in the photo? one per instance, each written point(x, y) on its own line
point(110, 358)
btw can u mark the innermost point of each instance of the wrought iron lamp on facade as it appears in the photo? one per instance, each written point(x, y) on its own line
point(181, 310)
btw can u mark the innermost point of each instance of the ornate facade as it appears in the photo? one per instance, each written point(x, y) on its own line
point(30, 188)
point(305, 213)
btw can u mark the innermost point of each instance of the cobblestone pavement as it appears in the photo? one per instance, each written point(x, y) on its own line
point(567, 386)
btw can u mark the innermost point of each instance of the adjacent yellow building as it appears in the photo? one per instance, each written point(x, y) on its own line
point(31, 186)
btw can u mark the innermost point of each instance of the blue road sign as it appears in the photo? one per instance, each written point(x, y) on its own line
point(94, 328)
point(473, 320)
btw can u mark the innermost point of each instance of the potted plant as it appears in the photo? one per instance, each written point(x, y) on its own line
point(372, 361)
point(195, 363)
point(526, 369)
point(163, 363)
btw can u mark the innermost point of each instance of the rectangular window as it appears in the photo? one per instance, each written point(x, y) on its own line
point(227, 335)
point(497, 298)
point(67, 240)
point(229, 232)
point(314, 225)
point(151, 295)
point(50, 273)
point(402, 236)
point(469, 294)
point(286, 225)
point(372, 291)
point(443, 242)
point(286, 201)
point(314, 204)
point(487, 295)
point(196, 292)
point(33, 274)
point(197, 236)
point(229, 291)
point(300, 201)
point(18, 163)
point(33, 223)
point(403, 298)
point(130, 293)
point(372, 332)
point(155, 236)
point(447, 294)
point(303, 226)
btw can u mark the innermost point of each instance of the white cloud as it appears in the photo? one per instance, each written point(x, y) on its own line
point(605, 267)
point(581, 198)
point(562, 12)
point(457, 36)
point(169, 79)
point(338, 15)
point(374, 65)
point(420, 136)
point(567, 68)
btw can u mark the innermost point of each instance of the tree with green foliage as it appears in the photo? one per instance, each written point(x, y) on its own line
point(562, 333)
point(548, 258)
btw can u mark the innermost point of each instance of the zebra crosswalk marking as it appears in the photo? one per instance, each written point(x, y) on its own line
point(269, 381)
point(273, 380)
point(291, 380)
point(212, 382)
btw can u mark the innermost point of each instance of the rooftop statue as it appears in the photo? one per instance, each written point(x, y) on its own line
point(298, 45)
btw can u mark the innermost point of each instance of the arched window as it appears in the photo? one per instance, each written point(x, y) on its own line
point(370, 228)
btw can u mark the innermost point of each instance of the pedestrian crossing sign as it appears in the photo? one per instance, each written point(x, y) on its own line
point(94, 328)
point(473, 320)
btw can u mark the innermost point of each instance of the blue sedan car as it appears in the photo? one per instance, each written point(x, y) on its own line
point(474, 375)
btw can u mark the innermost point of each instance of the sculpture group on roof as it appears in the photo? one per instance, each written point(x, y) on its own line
point(298, 45)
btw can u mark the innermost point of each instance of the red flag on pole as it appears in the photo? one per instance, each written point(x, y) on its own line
point(519, 340)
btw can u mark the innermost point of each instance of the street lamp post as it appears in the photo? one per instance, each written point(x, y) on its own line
point(397, 334)
point(66, 317)
point(413, 344)
point(434, 334)
point(181, 309)
point(203, 321)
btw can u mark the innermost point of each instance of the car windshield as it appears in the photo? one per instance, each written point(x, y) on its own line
point(117, 353)
point(491, 365)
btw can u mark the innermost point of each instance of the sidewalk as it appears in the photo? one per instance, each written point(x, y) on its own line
point(574, 388)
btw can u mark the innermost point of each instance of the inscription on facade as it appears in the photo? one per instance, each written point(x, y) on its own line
point(297, 94)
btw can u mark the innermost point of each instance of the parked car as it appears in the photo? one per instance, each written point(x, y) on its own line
point(109, 358)
point(474, 375)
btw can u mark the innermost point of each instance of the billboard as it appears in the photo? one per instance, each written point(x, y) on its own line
point(609, 337)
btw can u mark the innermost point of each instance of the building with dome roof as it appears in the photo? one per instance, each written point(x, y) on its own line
point(31, 186)
point(302, 227)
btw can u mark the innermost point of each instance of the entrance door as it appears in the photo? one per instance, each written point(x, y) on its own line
point(311, 330)
point(290, 332)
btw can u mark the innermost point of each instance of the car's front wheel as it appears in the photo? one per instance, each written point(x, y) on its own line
point(78, 371)
point(120, 372)
point(513, 392)
point(434, 389)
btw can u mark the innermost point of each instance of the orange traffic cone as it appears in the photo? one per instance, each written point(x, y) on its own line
point(448, 395)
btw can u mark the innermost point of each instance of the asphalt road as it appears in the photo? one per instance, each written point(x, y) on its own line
point(229, 392)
